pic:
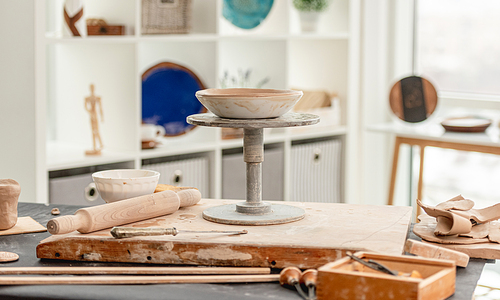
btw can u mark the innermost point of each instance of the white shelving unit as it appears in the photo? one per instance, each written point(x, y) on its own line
point(66, 66)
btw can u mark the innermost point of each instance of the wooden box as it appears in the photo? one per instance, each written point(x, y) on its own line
point(347, 279)
point(105, 30)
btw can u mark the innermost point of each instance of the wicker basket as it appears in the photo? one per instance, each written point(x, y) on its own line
point(166, 16)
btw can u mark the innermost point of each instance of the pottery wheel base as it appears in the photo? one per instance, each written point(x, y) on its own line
point(280, 213)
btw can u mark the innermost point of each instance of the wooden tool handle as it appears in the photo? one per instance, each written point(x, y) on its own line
point(308, 277)
point(98, 217)
point(290, 276)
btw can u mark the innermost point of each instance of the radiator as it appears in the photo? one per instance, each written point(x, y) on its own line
point(192, 172)
point(315, 170)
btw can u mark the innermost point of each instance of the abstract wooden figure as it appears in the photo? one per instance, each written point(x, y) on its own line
point(91, 104)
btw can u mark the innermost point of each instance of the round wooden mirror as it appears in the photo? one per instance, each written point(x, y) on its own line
point(413, 99)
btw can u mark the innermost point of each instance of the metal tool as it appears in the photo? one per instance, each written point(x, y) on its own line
point(373, 265)
point(125, 232)
point(308, 278)
point(290, 276)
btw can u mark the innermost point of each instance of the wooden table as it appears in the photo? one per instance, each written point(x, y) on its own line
point(25, 244)
point(434, 135)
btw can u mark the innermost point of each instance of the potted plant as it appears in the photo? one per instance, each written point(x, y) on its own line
point(309, 11)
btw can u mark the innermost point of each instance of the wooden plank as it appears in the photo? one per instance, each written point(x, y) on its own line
point(24, 225)
point(45, 280)
point(130, 270)
point(434, 251)
point(324, 235)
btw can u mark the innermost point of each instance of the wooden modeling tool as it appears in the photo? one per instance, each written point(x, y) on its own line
point(131, 210)
point(373, 265)
point(290, 276)
point(126, 232)
point(308, 278)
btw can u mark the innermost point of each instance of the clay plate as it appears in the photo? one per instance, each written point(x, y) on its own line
point(246, 103)
point(466, 124)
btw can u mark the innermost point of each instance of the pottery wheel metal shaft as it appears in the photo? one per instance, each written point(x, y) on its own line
point(253, 211)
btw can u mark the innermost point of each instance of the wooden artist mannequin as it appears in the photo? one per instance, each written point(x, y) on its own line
point(91, 104)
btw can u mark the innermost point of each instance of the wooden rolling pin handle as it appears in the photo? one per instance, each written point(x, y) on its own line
point(189, 197)
point(65, 224)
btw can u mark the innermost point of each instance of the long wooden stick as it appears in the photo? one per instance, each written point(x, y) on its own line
point(47, 280)
point(131, 270)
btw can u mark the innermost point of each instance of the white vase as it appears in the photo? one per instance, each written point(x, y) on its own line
point(309, 20)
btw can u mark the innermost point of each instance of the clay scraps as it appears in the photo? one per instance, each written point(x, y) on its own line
point(456, 222)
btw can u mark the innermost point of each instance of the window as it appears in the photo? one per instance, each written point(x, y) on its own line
point(458, 45)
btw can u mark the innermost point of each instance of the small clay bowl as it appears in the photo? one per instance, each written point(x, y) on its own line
point(115, 185)
point(247, 103)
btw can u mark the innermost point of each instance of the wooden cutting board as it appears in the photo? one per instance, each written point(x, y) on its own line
point(324, 235)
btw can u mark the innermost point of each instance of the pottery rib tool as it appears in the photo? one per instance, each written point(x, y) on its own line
point(126, 232)
point(131, 210)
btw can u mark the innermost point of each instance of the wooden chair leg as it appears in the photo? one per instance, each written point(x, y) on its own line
point(420, 178)
point(394, 171)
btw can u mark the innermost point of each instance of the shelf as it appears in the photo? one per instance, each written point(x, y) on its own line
point(62, 156)
point(275, 52)
point(168, 148)
point(192, 37)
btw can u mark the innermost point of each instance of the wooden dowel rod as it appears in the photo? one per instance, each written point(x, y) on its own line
point(47, 280)
point(131, 270)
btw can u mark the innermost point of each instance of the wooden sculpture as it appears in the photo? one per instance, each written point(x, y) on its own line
point(9, 194)
point(91, 104)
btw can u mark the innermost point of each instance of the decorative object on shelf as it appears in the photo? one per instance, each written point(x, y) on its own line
point(242, 80)
point(166, 16)
point(246, 103)
point(466, 124)
point(323, 103)
point(309, 13)
point(91, 104)
point(100, 27)
point(168, 97)
point(149, 135)
point(74, 20)
point(246, 14)
point(413, 99)
point(9, 194)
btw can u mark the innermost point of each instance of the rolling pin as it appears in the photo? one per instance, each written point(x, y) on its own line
point(121, 212)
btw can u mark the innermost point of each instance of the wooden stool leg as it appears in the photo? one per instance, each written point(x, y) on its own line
point(394, 171)
point(420, 177)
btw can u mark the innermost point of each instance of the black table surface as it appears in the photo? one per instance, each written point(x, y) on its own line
point(25, 246)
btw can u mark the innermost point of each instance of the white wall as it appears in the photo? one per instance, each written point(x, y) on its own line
point(17, 95)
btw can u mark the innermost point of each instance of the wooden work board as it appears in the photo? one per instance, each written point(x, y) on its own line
point(327, 231)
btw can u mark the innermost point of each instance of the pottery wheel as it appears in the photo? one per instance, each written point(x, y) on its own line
point(253, 211)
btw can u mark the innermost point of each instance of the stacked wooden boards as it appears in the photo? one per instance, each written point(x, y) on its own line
point(324, 235)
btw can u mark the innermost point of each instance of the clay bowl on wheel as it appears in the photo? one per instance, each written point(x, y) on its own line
point(114, 185)
point(247, 103)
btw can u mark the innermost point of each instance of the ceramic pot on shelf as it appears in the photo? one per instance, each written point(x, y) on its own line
point(309, 20)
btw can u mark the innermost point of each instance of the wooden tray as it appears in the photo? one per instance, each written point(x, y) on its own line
point(326, 232)
point(337, 280)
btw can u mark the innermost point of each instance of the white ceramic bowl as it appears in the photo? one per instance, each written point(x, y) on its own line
point(246, 103)
point(114, 185)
